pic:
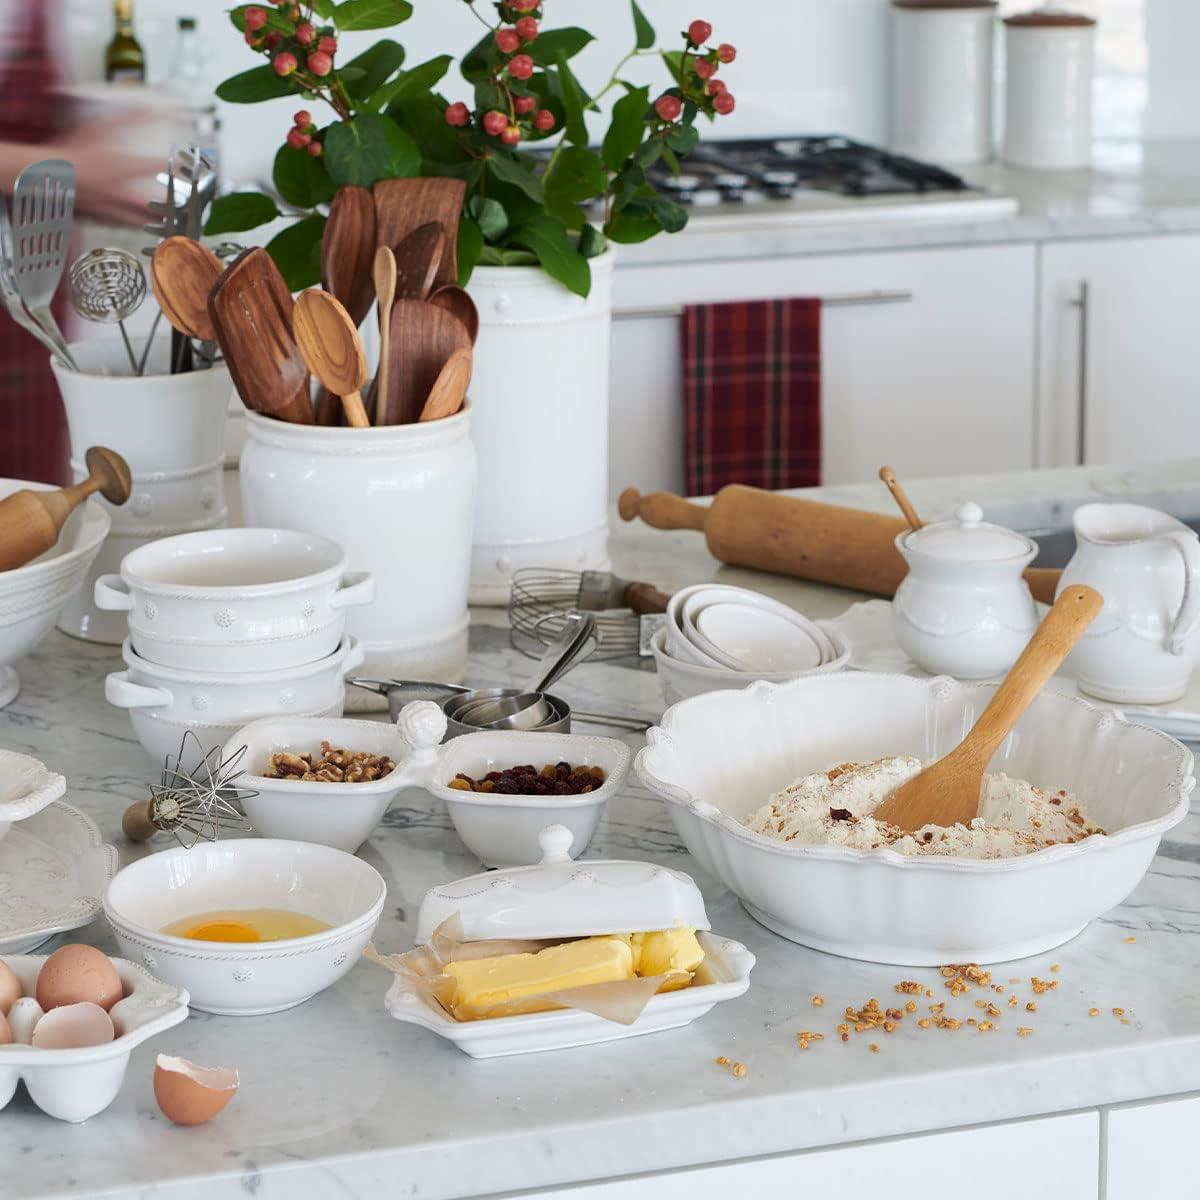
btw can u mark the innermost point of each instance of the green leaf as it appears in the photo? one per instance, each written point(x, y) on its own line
point(479, 61)
point(547, 238)
point(674, 60)
point(592, 242)
point(324, 8)
point(413, 82)
point(259, 83)
point(240, 211)
point(371, 14)
point(301, 179)
point(551, 45)
point(516, 174)
point(648, 152)
point(377, 63)
point(643, 31)
point(627, 230)
point(369, 148)
point(490, 216)
point(422, 117)
point(627, 128)
point(502, 256)
point(671, 216)
point(571, 95)
point(297, 252)
point(575, 174)
point(469, 248)
point(683, 138)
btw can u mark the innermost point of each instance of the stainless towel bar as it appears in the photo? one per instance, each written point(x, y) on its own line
point(844, 300)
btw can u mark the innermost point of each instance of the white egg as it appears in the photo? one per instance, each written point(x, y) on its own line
point(22, 1017)
point(72, 1025)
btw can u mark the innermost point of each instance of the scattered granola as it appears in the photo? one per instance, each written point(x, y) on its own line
point(739, 1069)
point(333, 765)
point(817, 1001)
point(1031, 1006)
point(807, 1036)
point(1023, 1031)
point(1130, 940)
point(1093, 1012)
point(1042, 985)
point(910, 987)
point(1118, 1012)
point(873, 1047)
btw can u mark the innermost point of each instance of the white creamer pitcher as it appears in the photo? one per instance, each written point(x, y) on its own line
point(1145, 643)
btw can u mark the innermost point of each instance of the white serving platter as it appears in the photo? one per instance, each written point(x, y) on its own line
point(53, 873)
point(867, 627)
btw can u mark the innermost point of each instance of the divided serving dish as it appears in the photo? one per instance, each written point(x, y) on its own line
point(718, 758)
point(27, 786)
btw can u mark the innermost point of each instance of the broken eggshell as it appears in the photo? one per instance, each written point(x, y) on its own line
point(189, 1094)
point(72, 1026)
point(24, 1015)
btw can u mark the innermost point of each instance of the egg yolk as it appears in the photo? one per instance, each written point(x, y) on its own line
point(223, 931)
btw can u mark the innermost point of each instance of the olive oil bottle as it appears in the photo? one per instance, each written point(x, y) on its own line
point(124, 60)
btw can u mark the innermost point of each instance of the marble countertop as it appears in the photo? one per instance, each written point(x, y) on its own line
point(338, 1099)
point(1133, 189)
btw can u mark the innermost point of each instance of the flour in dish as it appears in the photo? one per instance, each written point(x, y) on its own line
point(834, 807)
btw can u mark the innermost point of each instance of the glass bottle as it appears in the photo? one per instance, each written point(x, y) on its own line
point(124, 60)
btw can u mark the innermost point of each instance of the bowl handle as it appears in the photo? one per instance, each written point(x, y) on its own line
point(357, 587)
point(109, 594)
point(354, 657)
point(121, 691)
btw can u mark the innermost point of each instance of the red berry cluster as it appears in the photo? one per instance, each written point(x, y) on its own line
point(303, 134)
point(516, 114)
point(697, 76)
point(303, 51)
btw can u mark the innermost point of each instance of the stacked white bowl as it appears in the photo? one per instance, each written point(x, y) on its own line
point(229, 625)
point(718, 638)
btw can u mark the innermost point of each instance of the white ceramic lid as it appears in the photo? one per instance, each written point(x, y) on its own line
point(562, 898)
point(969, 539)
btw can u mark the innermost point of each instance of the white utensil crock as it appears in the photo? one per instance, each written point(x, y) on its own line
point(541, 379)
point(942, 80)
point(1048, 97)
point(170, 429)
point(400, 499)
point(1145, 643)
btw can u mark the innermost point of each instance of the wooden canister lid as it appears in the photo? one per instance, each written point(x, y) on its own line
point(935, 4)
point(1049, 18)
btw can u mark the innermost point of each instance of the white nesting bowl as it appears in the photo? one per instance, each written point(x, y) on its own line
point(246, 978)
point(235, 600)
point(27, 786)
point(33, 596)
point(682, 680)
point(717, 759)
point(164, 703)
point(755, 639)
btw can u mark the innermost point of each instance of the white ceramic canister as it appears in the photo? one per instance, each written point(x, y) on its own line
point(170, 429)
point(400, 499)
point(942, 79)
point(1145, 644)
point(964, 609)
point(541, 424)
point(1048, 97)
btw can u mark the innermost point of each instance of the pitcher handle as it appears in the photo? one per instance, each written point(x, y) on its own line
point(1185, 621)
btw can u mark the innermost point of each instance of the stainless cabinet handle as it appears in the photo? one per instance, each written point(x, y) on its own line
point(1082, 302)
point(844, 300)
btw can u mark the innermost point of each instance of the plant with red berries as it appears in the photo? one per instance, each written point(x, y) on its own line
point(523, 205)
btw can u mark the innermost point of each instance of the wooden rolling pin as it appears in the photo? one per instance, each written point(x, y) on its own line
point(748, 527)
point(30, 521)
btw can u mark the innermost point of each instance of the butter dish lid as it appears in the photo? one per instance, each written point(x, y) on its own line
point(968, 539)
point(563, 898)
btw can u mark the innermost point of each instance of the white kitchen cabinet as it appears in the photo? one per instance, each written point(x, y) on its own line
point(1119, 362)
point(1054, 1156)
point(939, 382)
point(1151, 1150)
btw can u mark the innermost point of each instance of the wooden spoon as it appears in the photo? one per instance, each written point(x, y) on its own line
point(450, 388)
point(329, 341)
point(423, 339)
point(401, 205)
point(947, 792)
point(31, 521)
point(418, 260)
point(251, 309)
point(898, 494)
point(458, 301)
point(183, 274)
point(385, 292)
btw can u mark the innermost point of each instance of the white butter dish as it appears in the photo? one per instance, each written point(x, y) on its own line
point(76, 1084)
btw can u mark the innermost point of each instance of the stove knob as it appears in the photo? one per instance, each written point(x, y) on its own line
point(780, 178)
point(680, 183)
point(730, 181)
point(705, 197)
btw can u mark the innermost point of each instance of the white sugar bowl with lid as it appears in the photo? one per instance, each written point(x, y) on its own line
point(565, 899)
point(964, 609)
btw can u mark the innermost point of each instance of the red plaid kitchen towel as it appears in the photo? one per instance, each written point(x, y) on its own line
point(752, 394)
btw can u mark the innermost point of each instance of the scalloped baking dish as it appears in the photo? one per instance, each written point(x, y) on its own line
point(717, 758)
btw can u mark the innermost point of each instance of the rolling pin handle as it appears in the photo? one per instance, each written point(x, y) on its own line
point(662, 510)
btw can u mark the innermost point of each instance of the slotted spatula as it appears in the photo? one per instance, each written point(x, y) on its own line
point(402, 205)
point(251, 310)
point(422, 341)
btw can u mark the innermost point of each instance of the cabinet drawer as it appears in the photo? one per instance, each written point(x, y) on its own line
point(1151, 1150)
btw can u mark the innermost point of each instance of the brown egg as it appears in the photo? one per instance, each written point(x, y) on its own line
point(5, 1032)
point(191, 1095)
point(10, 988)
point(78, 974)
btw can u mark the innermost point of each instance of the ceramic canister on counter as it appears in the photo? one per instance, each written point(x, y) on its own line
point(1048, 106)
point(942, 79)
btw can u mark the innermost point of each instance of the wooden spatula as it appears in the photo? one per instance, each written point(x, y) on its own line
point(329, 341)
point(30, 521)
point(251, 310)
point(183, 273)
point(450, 388)
point(947, 792)
point(458, 301)
point(418, 260)
point(401, 205)
point(423, 339)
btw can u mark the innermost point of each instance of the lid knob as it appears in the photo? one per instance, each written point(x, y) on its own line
point(423, 725)
point(970, 515)
point(555, 841)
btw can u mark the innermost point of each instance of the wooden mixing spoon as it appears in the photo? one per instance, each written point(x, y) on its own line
point(947, 792)
point(329, 342)
point(458, 301)
point(450, 387)
point(900, 496)
point(183, 274)
point(385, 293)
point(30, 521)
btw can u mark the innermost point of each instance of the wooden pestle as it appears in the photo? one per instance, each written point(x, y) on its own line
point(31, 521)
point(785, 535)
